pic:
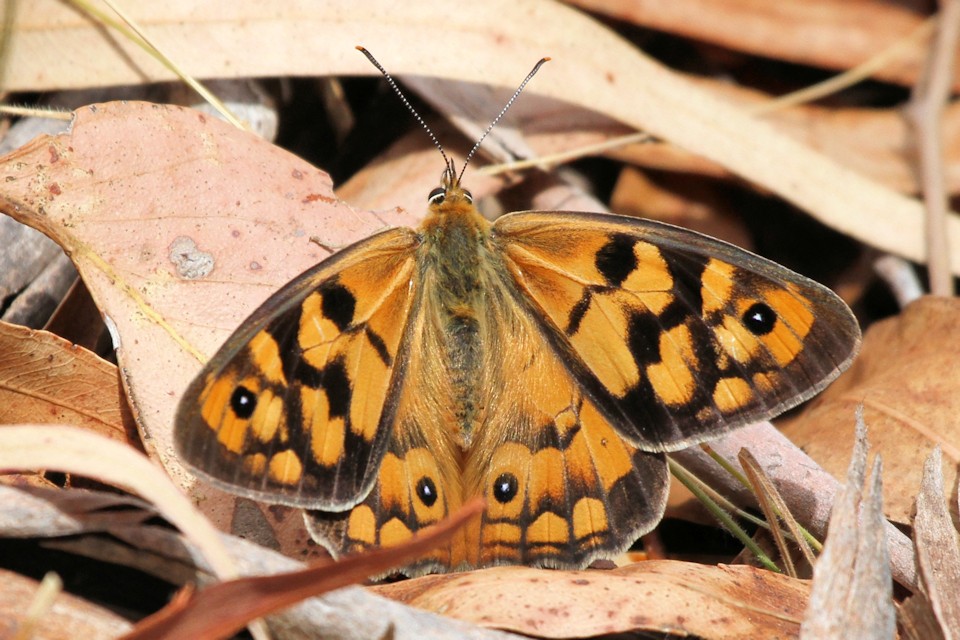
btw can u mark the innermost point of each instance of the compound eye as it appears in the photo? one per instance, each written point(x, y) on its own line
point(437, 195)
point(468, 196)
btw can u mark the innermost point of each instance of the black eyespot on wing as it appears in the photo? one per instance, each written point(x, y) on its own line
point(243, 402)
point(427, 491)
point(759, 319)
point(505, 487)
point(437, 195)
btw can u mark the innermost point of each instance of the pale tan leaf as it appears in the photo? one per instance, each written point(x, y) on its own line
point(715, 602)
point(73, 450)
point(874, 142)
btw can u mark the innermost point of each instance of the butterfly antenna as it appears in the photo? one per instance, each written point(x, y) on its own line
point(515, 95)
point(450, 169)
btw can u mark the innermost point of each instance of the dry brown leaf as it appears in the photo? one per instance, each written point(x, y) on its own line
point(595, 69)
point(398, 177)
point(52, 40)
point(916, 620)
point(834, 34)
point(685, 598)
point(906, 378)
point(45, 379)
point(344, 613)
point(875, 142)
point(696, 205)
point(69, 618)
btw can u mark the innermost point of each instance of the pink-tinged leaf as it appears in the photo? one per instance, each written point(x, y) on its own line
point(180, 226)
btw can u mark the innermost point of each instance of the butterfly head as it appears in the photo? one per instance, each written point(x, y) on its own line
point(449, 192)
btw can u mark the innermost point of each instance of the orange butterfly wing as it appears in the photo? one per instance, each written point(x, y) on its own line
point(683, 337)
point(296, 407)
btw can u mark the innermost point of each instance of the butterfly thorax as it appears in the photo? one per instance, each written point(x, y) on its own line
point(456, 250)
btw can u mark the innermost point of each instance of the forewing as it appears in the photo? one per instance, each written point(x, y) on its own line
point(680, 337)
point(295, 407)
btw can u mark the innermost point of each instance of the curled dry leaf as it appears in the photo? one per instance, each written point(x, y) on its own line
point(906, 377)
point(344, 613)
point(715, 602)
point(72, 450)
point(808, 489)
point(44, 378)
point(873, 142)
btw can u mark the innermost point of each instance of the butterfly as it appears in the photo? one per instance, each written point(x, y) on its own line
point(546, 361)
